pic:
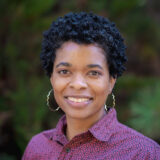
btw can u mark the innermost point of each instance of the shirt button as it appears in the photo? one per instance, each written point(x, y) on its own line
point(67, 150)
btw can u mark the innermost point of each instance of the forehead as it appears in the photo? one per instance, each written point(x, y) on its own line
point(86, 53)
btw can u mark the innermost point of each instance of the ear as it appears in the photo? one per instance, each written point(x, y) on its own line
point(51, 79)
point(111, 84)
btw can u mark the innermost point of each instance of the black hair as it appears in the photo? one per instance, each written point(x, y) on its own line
point(84, 28)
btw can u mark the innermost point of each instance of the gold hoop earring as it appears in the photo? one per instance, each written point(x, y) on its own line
point(48, 97)
point(106, 108)
point(114, 103)
point(114, 100)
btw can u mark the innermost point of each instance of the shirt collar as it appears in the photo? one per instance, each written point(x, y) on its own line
point(105, 127)
point(57, 133)
point(102, 130)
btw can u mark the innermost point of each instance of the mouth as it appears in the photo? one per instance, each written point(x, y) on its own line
point(78, 101)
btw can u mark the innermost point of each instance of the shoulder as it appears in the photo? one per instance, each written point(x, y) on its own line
point(138, 137)
point(134, 140)
point(38, 144)
point(42, 137)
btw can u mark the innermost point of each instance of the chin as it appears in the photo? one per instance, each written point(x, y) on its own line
point(78, 115)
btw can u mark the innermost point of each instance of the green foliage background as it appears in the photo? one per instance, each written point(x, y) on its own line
point(23, 84)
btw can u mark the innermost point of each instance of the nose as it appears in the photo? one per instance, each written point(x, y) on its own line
point(78, 82)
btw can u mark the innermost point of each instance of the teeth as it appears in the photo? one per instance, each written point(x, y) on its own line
point(78, 100)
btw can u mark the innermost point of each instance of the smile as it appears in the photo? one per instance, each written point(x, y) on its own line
point(78, 100)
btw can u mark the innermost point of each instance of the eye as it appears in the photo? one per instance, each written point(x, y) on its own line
point(64, 72)
point(94, 73)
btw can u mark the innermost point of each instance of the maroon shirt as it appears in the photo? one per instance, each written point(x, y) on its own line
point(107, 139)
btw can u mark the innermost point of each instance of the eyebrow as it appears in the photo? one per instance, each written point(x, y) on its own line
point(69, 65)
point(63, 64)
point(94, 66)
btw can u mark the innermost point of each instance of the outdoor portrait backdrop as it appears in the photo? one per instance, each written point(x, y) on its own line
point(24, 85)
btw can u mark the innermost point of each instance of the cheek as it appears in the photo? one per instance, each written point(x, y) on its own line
point(101, 90)
point(59, 84)
point(58, 87)
point(100, 87)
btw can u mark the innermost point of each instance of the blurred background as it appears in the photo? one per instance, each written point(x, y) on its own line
point(24, 85)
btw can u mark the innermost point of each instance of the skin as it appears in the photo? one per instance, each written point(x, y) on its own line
point(80, 71)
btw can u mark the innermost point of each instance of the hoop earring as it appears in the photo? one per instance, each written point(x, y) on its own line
point(106, 108)
point(114, 103)
point(114, 100)
point(48, 97)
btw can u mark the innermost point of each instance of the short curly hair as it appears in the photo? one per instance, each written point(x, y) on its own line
point(84, 28)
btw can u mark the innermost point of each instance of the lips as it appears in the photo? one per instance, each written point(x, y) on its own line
point(78, 101)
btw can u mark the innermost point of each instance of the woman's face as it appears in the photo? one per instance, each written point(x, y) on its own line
point(81, 80)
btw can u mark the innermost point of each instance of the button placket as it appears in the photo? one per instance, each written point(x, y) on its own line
point(68, 150)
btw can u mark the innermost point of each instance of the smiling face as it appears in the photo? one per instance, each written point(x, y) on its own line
point(81, 80)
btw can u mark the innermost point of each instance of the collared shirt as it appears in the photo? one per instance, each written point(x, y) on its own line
point(107, 139)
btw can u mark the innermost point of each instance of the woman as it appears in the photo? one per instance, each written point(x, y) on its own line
point(83, 54)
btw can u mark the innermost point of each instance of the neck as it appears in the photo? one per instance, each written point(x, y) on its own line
point(78, 126)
